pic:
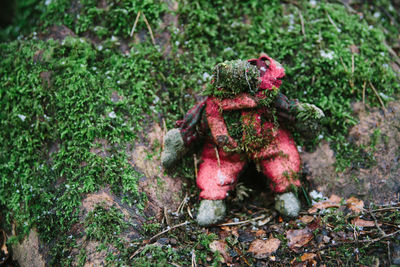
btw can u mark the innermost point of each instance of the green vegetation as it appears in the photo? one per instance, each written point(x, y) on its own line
point(104, 224)
point(61, 101)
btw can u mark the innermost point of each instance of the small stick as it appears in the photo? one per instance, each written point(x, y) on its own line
point(151, 239)
point(181, 205)
point(303, 30)
point(363, 92)
point(376, 93)
point(189, 212)
point(137, 252)
point(168, 229)
point(333, 23)
point(241, 255)
point(376, 223)
point(166, 216)
point(344, 66)
point(384, 209)
point(217, 154)
point(149, 28)
point(164, 126)
point(195, 165)
point(392, 52)
point(350, 9)
point(134, 24)
point(194, 264)
point(352, 64)
point(357, 241)
point(164, 132)
point(242, 222)
point(390, 205)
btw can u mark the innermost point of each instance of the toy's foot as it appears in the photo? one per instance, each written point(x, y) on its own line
point(173, 148)
point(287, 204)
point(210, 212)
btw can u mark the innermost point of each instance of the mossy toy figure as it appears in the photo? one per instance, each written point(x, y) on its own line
point(243, 118)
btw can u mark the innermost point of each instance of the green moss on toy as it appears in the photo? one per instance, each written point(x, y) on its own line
point(233, 77)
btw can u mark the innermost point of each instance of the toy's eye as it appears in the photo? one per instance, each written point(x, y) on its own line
point(253, 62)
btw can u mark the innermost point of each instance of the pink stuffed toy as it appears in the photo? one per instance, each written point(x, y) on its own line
point(248, 90)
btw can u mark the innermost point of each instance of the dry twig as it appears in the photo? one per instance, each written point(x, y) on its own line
point(149, 28)
point(242, 222)
point(167, 230)
point(195, 165)
point(368, 241)
point(242, 256)
point(134, 24)
point(377, 95)
point(217, 154)
point(363, 92)
point(333, 23)
point(157, 235)
point(303, 30)
point(181, 205)
point(194, 264)
point(376, 223)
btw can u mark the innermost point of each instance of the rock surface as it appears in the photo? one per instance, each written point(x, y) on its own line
point(161, 190)
point(379, 133)
point(28, 252)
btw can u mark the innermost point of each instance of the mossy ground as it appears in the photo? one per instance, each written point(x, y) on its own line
point(57, 96)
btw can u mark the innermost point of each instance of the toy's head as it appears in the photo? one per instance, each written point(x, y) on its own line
point(270, 71)
point(233, 77)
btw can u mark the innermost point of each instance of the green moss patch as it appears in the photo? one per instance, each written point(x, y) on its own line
point(59, 100)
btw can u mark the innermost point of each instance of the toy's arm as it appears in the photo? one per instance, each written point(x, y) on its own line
point(178, 140)
point(217, 124)
point(303, 116)
point(241, 101)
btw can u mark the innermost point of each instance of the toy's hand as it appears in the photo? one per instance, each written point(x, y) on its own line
point(224, 140)
point(241, 101)
point(174, 148)
point(307, 112)
point(308, 118)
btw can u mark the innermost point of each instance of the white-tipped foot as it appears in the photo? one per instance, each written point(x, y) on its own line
point(210, 212)
point(287, 204)
point(173, 148)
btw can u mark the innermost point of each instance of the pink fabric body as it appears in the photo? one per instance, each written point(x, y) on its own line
point(279, 162)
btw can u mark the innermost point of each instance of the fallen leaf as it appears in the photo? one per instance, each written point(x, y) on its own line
point(306, 219)
point(332, 202)
point(315, 224)
point(355, 204)
point(363, 223)
point(265, 221)
point(230, 230)
point(307, 256)
point(220, 246)
point(263, 248)
point(261, 233)
point(298, 238)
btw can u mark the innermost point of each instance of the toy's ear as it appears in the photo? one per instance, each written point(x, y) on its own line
point(262, 63)
point(263, 56)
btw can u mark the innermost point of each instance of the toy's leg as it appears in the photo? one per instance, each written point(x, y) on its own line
point(218, 172)
point(280, 161)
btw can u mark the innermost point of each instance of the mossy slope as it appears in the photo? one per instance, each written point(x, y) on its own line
point(56, 98)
